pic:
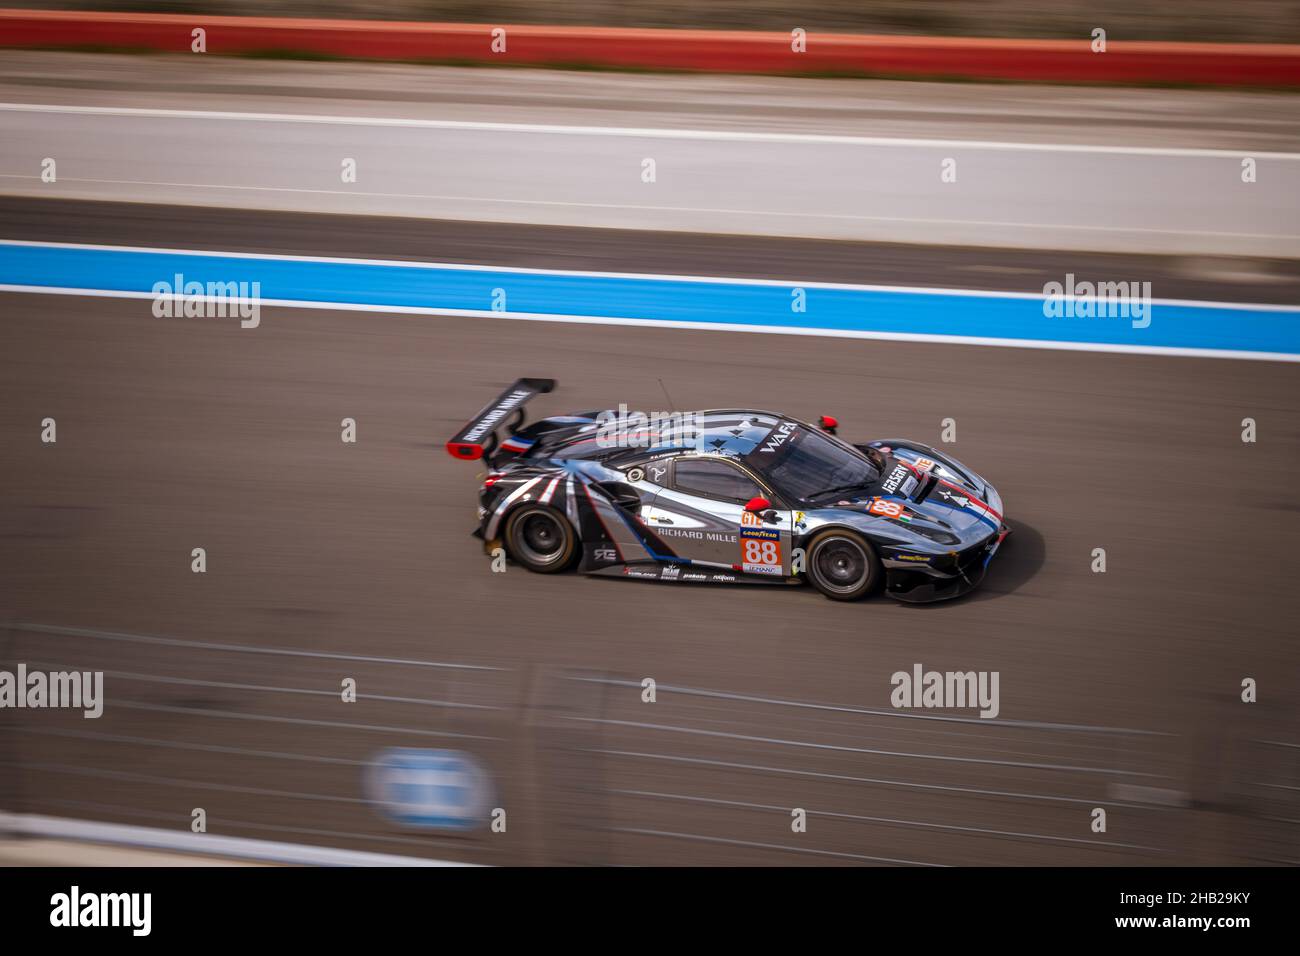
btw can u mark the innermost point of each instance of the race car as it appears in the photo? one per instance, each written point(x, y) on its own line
point(735, 496)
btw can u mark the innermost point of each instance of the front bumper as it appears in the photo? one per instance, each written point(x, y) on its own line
point(922, 585)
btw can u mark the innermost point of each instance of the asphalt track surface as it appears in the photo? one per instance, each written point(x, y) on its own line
point(777, 166)
point(327, 560)
point(1117, 689)
point(1200, 278)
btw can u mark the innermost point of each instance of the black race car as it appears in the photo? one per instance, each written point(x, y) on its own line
point(728, 496)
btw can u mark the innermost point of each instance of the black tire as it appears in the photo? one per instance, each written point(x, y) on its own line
point(541, 539)
point(842, 565)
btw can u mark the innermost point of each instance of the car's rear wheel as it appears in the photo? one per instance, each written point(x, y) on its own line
point(541, 539)
point(842, 565)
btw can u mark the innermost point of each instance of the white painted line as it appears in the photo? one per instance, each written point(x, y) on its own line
point(636, 831)
point(870, 712)
point(265, 688)
point(841, 748)
point(204, 844)
point(592, 274)
point(300, 721)
point(240, 648)
point(892, 821)
point(36, 767)
point(735, 136)
point(713, 327)
point(848, 778)
point(197, 747)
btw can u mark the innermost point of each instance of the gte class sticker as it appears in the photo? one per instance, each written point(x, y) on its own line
point(923, 464)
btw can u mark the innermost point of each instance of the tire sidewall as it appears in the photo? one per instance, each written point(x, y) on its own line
point(874, 571)
point(514, 527)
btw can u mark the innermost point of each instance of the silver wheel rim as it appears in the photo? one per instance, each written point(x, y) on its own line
point(538, 537)
point(841, 565)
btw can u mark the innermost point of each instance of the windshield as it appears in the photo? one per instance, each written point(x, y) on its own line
point(812, 466)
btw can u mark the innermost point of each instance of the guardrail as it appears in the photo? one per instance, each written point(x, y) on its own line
point(1068, 61)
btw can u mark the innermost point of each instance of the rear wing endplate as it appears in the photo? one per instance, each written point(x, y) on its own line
point(478, 439)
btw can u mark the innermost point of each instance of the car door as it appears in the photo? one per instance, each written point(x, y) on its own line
point(654, 478)
point(701, 514)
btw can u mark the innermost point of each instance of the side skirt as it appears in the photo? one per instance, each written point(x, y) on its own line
point(684, 574)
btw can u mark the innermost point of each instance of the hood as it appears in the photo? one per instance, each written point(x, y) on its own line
point(931, 496)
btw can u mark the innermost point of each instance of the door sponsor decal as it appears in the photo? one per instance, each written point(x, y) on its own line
point(760, 551)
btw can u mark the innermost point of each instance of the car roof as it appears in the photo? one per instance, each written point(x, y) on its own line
point(729, 432)
point(726, 432)
point(733, 432)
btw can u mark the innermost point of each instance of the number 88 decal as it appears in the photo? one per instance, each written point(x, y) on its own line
point(762, 552)
point(889, 509)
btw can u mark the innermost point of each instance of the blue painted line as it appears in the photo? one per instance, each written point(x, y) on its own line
point(1268, 329)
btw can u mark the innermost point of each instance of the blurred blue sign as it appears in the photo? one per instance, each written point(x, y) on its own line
point(430, 789)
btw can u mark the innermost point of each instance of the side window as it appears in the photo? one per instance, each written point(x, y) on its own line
point(714, 479)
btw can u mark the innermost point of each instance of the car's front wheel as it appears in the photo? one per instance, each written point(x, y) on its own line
point(842, 565)
point(541, 539)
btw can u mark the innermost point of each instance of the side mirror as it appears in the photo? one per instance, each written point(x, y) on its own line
point(757, 504)
point(828, 424)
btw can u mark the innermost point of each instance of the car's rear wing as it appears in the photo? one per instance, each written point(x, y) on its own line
point(478, 439)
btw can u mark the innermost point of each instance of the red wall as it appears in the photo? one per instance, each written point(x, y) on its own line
point(711, 50)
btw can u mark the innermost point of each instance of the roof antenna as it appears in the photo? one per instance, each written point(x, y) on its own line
point(671, 405)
